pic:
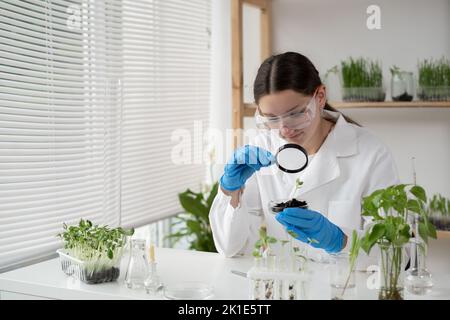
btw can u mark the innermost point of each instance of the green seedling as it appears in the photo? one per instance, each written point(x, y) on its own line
point(263, 243)
point(361, 73)
point(100, 247)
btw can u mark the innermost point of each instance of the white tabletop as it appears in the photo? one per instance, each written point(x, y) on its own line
point(47, 280)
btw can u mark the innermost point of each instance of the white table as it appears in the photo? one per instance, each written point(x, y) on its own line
point(46, 280)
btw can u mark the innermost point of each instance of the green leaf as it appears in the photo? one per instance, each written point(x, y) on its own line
point(110, 254)
point(292, 234)
point(263, 232)
point(193, 205)
point(423, 232)
point(414, 206)
point(194, 226)
point(365, 245)
point(212, 195)
point(377, 232)
point(431, 230)
point(419, 193)
point(271, 240)
point(256, 253)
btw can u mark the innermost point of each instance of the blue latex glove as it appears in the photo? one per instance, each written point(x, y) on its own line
point(313, 228)
point(244, 162)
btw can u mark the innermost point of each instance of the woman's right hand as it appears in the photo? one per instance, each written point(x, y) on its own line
point(244, 162)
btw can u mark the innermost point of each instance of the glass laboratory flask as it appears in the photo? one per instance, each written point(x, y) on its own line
point(137, 270)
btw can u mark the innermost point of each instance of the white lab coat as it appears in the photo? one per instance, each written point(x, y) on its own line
point(350, 164)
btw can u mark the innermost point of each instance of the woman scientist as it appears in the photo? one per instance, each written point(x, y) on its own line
point(346, 163)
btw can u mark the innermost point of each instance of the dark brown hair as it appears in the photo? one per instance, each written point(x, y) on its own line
point(289, 71)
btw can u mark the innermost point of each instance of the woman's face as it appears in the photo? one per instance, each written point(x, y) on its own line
point(282, 102)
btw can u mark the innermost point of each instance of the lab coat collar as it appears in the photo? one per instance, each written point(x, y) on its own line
point(343, 136)
point(341, 142)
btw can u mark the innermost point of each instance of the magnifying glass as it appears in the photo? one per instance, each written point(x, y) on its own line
point(291, 158)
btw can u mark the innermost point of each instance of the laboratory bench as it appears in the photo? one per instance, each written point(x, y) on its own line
point(45, 280)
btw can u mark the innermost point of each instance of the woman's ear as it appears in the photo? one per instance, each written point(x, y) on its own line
point(322, 96)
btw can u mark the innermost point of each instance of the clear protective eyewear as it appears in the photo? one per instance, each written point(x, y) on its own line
point(299, 118)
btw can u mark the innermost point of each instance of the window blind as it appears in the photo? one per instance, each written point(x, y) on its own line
point(60, 71)
point(90, 94)
point(166, 87)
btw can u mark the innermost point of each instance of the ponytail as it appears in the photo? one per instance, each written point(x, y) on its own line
point(348, 119)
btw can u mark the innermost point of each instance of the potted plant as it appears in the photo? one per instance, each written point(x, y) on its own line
point(439, 212)
point(195, 226)
point(391, 210)
point(362, 80)
point(92, 252)
point(279, 205)
point(434, 80)
point(402, 84)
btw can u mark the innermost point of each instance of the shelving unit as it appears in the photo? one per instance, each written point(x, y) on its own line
point(443, 234)
point(237, 54)
point(391, 104)
point(249, 108)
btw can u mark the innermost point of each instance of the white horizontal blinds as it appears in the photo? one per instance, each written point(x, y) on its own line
point(166, 87)
point(59, 112)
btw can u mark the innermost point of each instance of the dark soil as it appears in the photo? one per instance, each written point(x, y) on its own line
point(403, 97)
point(293, 203)
point(106, 275)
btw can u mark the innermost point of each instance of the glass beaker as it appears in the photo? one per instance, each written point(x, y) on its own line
point(418, 279)
point(392, 266)
point(153, 282)
point(342, 278)
point(137, 270)
point(402, 86)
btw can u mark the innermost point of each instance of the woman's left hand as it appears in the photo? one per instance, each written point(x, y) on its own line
point(313, 228)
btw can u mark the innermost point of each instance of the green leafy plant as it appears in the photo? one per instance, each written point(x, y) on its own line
point(362, 80)
point(262, 245)
point(434, 73)
point(439, 205)
point(439, 212)
point(390, 210)
point(195, 220)
point(99, 247)
point(361, 73)
point(434, 79)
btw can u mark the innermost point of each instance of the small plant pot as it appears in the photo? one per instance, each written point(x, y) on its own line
point(402, 86)
point(375, 94)
point(83, 270)
point(441, 93)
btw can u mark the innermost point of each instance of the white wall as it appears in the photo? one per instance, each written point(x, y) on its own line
point(328, 31)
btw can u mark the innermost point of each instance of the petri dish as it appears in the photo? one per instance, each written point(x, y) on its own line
point(189, 290)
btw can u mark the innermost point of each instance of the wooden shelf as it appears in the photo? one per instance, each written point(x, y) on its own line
point(391, 104)
point(443, 234)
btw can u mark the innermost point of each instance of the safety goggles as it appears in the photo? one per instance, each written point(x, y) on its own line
point(299, 118)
